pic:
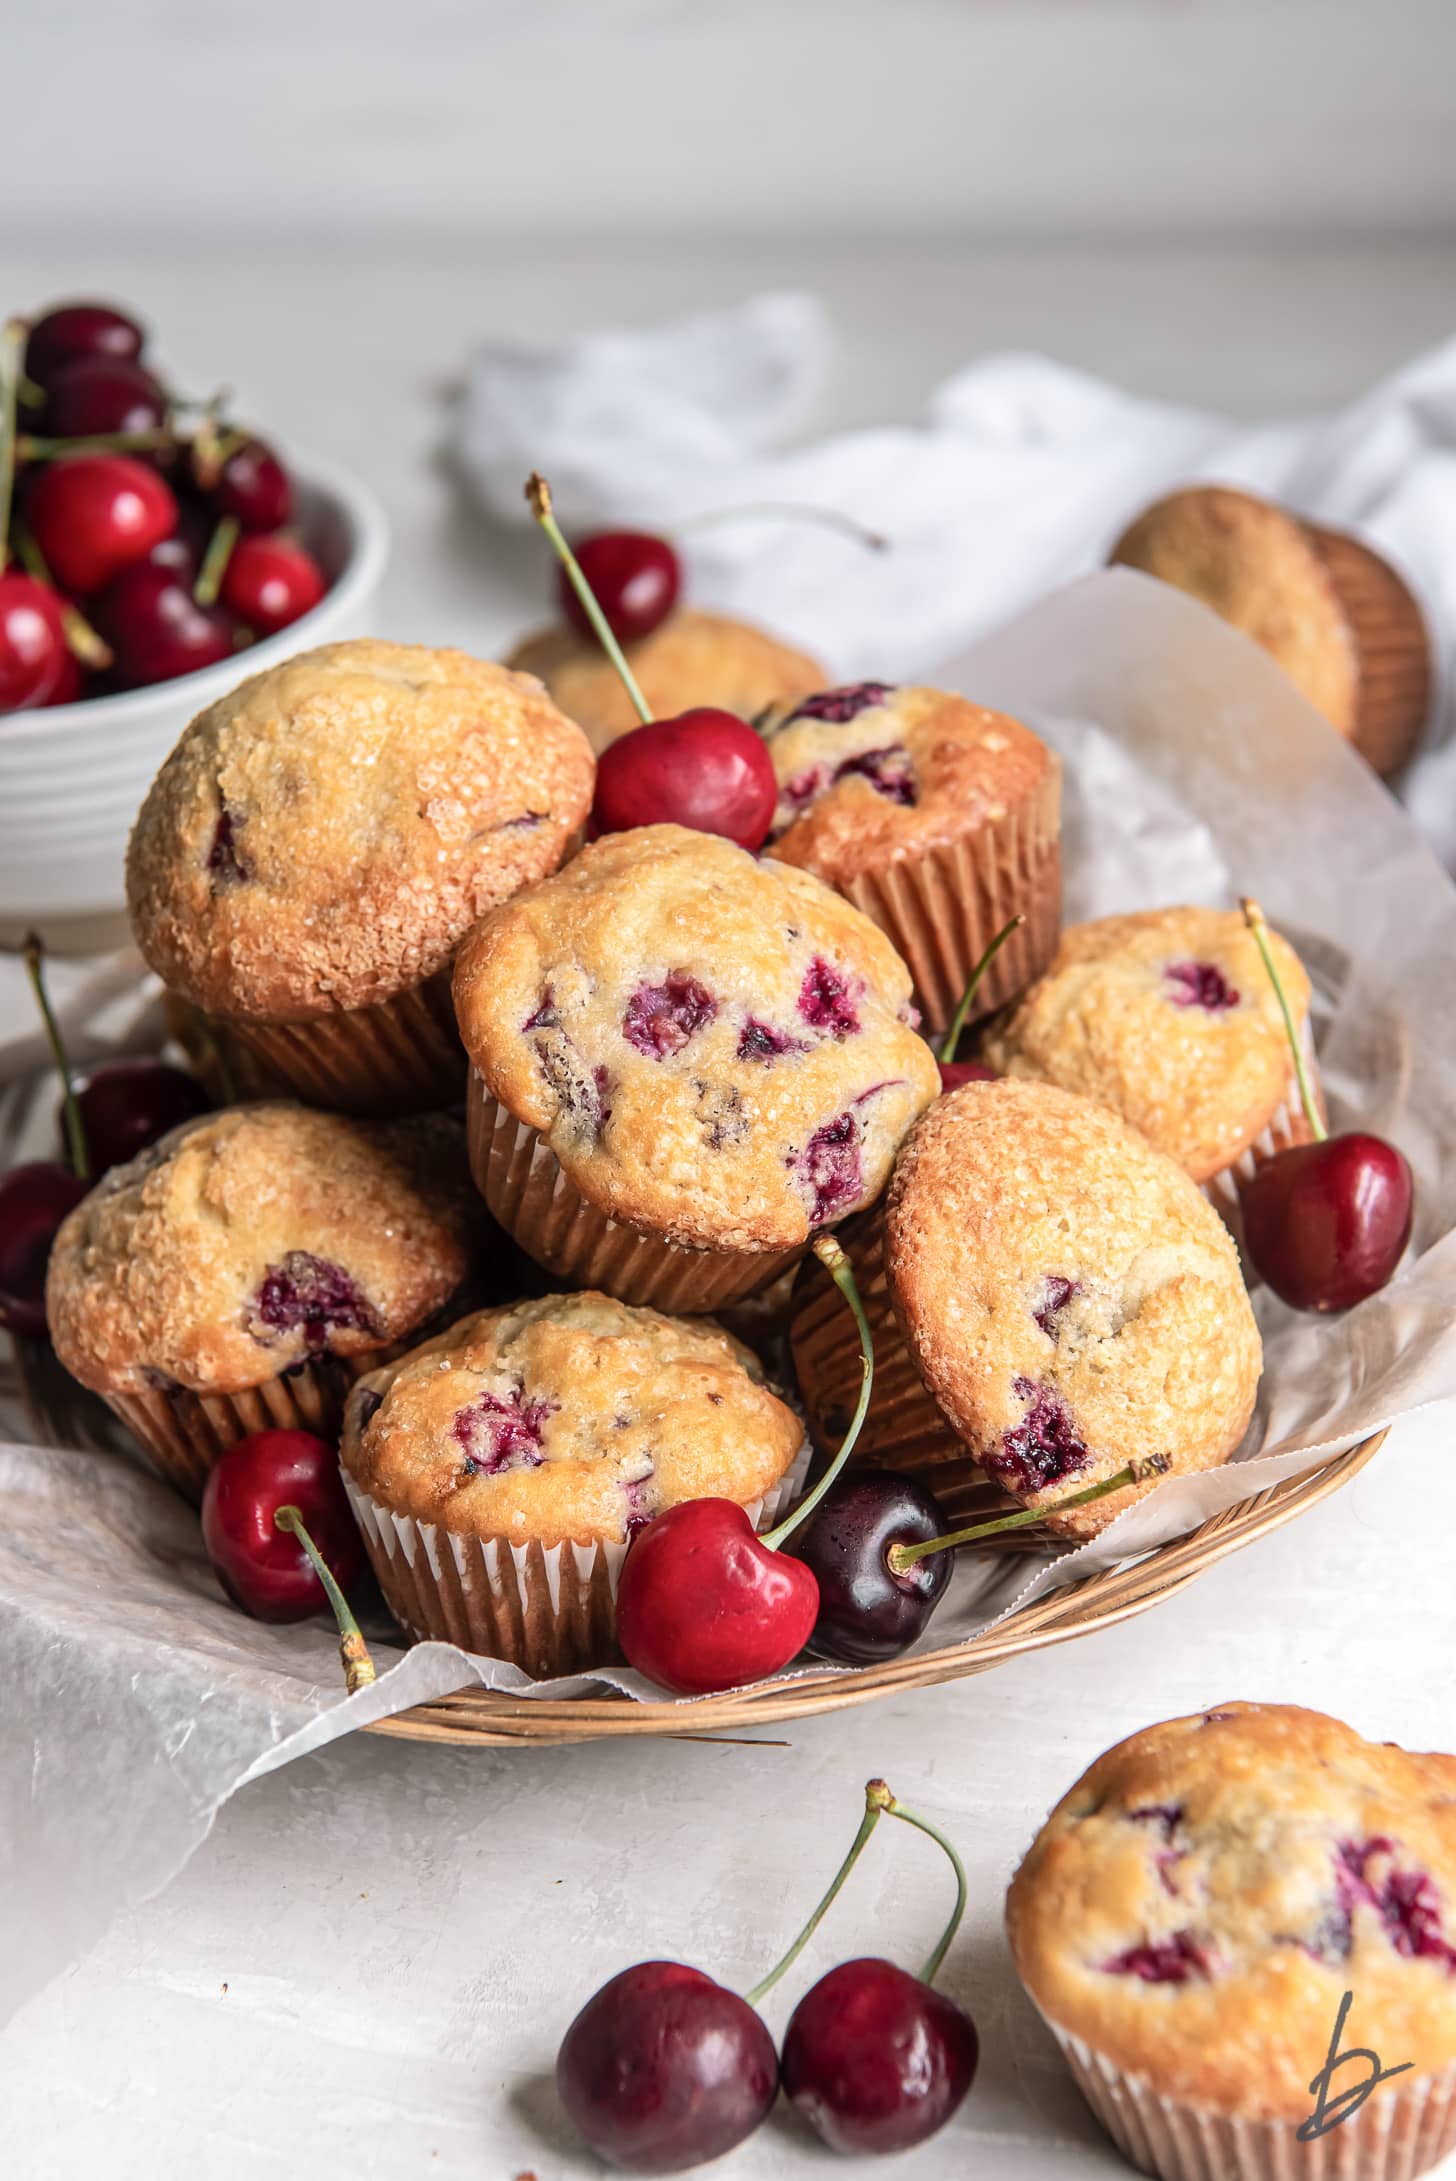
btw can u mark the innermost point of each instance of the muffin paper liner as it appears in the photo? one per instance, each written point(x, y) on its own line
point(1391, 646)
point(1286, 1128)
point(943, 907)
point(184, 1434)
point(531, 1196)
point(551, 1609)
point(402, 1055)
point(1397, 2133)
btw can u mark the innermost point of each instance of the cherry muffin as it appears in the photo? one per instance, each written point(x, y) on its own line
point(1051, 1298)
point(693, 659)
point(238, 1273)
point(1169, 1017)
point(319, 842)
point(683, 1064)
point(1342, 623)
point(939, 819)
point(1205, 1906)
point(500, 1471)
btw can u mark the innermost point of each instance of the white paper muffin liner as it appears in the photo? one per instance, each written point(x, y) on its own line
point(1402, 2129)
point(551, 1609)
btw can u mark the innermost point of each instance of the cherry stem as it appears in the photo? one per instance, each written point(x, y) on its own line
point(33, 447)
point(353, 1650)
point(82, 640)
point(75, 1127)
point(28, 394)
point(952, 1036)
point(878, 1799)
point(1254, 918)
point(942, 1947)
point(841, 1272)
point(10, 374)
point(538, 496)
point(215, 559)
point(901, 1558)
point(785, 511)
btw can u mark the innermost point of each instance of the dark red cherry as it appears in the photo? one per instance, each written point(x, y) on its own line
point(262, 1568)
point(254, 488)
point(156, 628)
point(636, 578)
point(101, 394)
point(270, 582)
point(71, 331)
point(71, 686)
point(1326, 1224)
point(34, 1199)
point(127, 1104)
point(33, 651)
point(663, 2069)
point(875, 2059)
point(868, 1612)
point(955, 1072)
point(705, 769)
point(94, 514)
point(704, 1605)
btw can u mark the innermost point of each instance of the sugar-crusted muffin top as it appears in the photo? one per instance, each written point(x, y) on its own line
point(1072, 1300)
point(1169, 1017)
point(1199, 1903)
point(1254, 564)
point(719, 1051)
point(572, 1417)
point(326, 834)
point(694, 658)
point(254, 1239)
point(870, 772)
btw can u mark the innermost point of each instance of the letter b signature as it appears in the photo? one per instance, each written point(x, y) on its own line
point(1330, 2109)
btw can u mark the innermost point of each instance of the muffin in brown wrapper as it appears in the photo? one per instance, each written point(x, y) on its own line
point(402, 1055)
point(1392, 649)
point(184, 1434)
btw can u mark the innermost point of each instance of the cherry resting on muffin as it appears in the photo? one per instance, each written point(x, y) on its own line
point(1325, 1223)
point(954, 1072)
point(705, 768)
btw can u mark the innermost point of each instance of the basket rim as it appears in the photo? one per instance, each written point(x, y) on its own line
point(476, 1718)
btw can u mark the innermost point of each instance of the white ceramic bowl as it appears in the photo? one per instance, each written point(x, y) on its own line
point(72, 777)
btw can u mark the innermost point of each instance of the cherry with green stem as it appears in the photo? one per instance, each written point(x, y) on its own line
point(1325, 1223)
point(954, 1072)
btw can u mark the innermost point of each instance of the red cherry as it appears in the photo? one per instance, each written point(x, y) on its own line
point(664, 2069)
point(34, 1199)
point(955, 1072)
point(705, 769)
point(703, 1605)
point(94, 514)
point(72, 684)
point(33, 652)
point(254, 488)
point(875, 2059)
point(71, 331)
point(1326, 1224)
point(262, 1568)
point(103, 394)
point(127, 1104)
point(269, 582)
point(157, 629)
point(636, 579)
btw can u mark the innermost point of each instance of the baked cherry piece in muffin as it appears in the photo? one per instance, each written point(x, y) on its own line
point(540, 1438)
point(318, 843)
point(694, 659)
point(713, 1056)
point(213, 1285)
point(938, 818)
point(1168, 1016)
point(1193, 1911)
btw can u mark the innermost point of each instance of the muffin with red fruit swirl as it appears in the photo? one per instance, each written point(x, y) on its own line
point(1052, 1299)
point(500, 1471)
point(1216, 1900)
point(1169, 1017)
point(237, 1274)
point(319, 842)
point(939, 819)
point(683, 1064)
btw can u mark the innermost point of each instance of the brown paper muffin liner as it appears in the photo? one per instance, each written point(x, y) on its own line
point(402, 1055)
point(942, 909)
point(904, 1430)
point(1286, 1128)
point(184, 1434)
point(1392, 649)
point(1401, 2130)
point(529, 1194)
point(551, 1609)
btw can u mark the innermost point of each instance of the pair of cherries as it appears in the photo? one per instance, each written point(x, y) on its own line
point(664, 2069)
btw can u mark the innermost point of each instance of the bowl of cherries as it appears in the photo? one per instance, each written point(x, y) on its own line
point(153, 551)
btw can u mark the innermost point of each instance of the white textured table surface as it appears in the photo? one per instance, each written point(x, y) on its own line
point(368, 1967)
